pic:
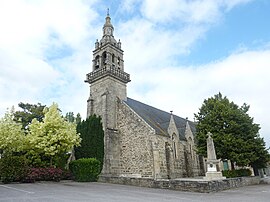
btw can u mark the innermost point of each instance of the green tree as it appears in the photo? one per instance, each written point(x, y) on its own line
point(262, 153)
point(28, 113)
point(71, 118)
point(78, 118)
point(53, 137)
point(12, 137)
point(235, 134)
point(92, 134)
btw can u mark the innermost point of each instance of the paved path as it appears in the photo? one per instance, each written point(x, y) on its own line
point(68, 191)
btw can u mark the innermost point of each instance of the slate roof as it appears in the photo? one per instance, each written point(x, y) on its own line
point(158, 119)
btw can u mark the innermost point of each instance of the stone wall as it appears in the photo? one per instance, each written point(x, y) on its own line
point(103, 99)
point(143, 153)
point(135, 139)
point(178, 168)
point(175, 164)
point(185, 184)
point(210, 186)
point(192, 159)
point(170, 165)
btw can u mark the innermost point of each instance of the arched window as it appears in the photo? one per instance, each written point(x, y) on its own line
point(104, 58)
point(190, 145)
point(118, 61)
point(113, 58)
point(97, 62)
point(174, 145)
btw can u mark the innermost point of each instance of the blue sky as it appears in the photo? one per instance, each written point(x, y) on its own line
point(244, 27)
point(178, 52)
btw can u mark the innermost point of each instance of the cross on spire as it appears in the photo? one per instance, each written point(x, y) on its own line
point(108, 12)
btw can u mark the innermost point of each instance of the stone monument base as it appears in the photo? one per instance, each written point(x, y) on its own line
point(214, 176)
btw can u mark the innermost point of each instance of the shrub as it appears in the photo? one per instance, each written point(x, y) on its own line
point(236, 173)
point(243, 172)
point(229, 173)
point(67, 175)
point(44, 174)
point(85, 169)
point(92, 134)
point(13, 168)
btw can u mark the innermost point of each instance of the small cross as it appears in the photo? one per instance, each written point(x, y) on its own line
point(108, 12)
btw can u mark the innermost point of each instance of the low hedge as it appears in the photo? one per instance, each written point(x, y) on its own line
point(13, 168)
point(85, 169)
point(236, 173)
point(44, 174)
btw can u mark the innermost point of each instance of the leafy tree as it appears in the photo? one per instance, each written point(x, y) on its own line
point(71, 118)
point(92, 134)
point(78, 118)
point(53, 137)
point(235, 134)
point(12, 138)
point(262, 153)
point(30, 111)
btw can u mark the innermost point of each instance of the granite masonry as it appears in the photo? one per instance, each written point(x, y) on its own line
point(141, 141)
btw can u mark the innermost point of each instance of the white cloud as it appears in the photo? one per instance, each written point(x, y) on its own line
point(23, 78)
point(196, 12)
point(128, 5)
point(165, 31)
point(33, 32)
point(232, 3)
point(242, 77)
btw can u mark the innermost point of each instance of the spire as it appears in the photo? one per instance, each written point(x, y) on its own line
point(108, 32)
point(108, 21)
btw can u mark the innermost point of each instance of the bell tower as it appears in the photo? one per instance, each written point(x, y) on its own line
point(107, 79)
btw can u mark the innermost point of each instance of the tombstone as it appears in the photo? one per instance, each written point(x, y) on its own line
point(212, 161)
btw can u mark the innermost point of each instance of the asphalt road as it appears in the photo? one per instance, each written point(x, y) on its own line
point(68, 191)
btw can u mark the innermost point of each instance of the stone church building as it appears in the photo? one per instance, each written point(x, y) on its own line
point(139, 140)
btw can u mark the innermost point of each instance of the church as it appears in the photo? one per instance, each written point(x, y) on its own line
point(139, 140)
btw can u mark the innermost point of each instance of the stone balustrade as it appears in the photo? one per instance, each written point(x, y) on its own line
point(99, 73)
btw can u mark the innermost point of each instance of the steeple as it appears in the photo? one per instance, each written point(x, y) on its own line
point(108, 56)
point(108, 27)
point(108, 32)
point(108, 77)
point(108, 86)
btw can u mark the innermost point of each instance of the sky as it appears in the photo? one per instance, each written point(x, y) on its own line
point(177, 52)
